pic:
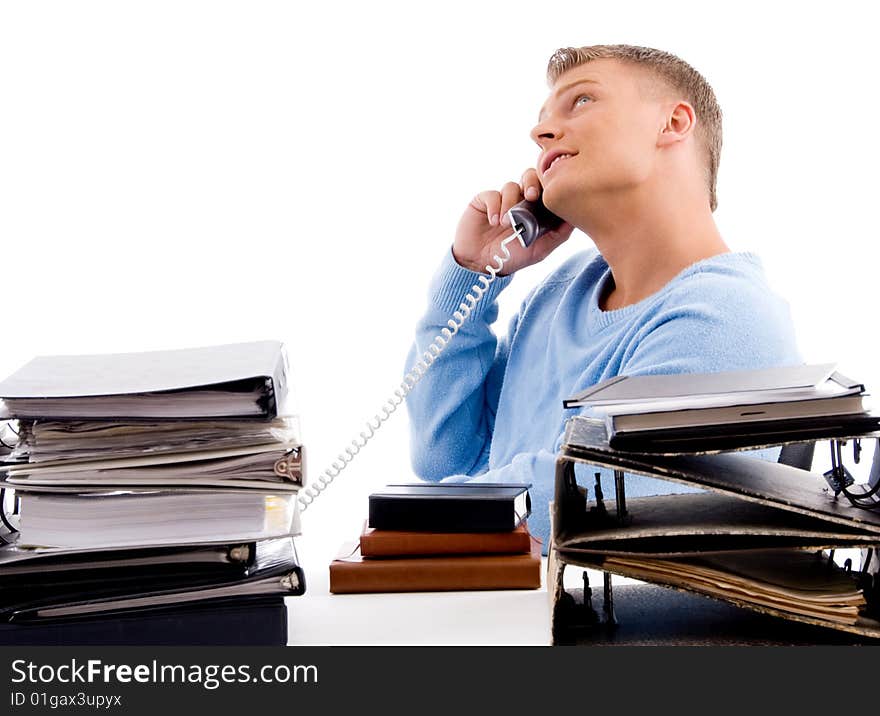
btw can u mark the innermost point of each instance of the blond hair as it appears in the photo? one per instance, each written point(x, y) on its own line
point(677, 74)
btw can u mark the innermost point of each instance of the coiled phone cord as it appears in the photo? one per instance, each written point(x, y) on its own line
point(416, 373)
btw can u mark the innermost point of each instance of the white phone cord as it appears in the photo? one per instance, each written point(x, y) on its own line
point(416, 373)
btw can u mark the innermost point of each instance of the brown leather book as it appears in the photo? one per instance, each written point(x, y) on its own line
point(352, 573)
point(399, 543)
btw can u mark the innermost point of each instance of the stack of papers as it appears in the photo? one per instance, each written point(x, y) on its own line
point(787, 580)
point(136, 519)
point(271, 467)
point(48, 441)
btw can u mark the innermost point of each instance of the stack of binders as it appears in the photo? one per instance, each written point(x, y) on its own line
point(760, 535)
point(441, 537)
point(153, 498)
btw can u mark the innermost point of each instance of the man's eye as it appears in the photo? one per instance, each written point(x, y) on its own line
point(580, 100)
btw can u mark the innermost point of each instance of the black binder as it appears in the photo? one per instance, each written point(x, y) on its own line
point(274, 571)
point(244, 621)
point(34, 567)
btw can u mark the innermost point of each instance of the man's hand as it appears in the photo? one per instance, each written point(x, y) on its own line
point(485, 223)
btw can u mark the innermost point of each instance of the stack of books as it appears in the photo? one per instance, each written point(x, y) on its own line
point(441, 537)
point(150, 483)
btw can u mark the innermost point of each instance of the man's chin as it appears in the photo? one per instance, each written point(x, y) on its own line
point(559, 199)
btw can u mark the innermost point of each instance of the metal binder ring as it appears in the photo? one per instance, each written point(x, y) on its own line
point(291, 467)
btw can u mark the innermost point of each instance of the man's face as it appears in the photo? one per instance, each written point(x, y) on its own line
point(602, 122)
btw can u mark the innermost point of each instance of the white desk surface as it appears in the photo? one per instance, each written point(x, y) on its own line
point(499, 617)
point(492, 618)
point(513, 617)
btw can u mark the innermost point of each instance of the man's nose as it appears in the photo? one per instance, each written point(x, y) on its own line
point(546, 129)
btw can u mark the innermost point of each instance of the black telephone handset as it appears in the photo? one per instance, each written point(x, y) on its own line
point(532, 219)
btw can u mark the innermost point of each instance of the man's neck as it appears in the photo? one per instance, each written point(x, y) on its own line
point(647, 246)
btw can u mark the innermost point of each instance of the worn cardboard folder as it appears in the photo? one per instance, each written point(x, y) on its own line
point(754, 538)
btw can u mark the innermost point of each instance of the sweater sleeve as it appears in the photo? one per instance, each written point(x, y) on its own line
point(452, 408)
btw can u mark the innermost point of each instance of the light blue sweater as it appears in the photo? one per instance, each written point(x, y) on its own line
point(491, 410)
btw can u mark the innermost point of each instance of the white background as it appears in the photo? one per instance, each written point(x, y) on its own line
point(186, 173)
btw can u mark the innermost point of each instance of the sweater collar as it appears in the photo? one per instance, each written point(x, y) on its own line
point(602, 319)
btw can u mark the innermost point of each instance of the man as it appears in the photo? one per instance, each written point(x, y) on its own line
point(629, 143)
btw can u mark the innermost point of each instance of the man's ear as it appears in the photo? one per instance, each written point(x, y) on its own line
point(680, 122)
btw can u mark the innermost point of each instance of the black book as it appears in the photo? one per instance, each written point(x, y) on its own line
point(737, 436)
point(448, 507)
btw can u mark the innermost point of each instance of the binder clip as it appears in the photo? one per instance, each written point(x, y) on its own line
point(869, 582)
point(573, 498)
point(572, 618)
point(6, 517)
point(598, 516)
point(838, 477)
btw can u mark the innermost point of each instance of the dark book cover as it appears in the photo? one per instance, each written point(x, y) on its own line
point(449, 507)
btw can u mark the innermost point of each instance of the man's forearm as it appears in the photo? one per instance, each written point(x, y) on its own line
point(452, 408)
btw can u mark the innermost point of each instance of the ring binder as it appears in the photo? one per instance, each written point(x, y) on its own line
point(239, 380)
point(738, 541)
point(292, 467)
point(152, 482)
point(4, 518)
point(840, 475)
point(248, 466)
point(240, 553)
